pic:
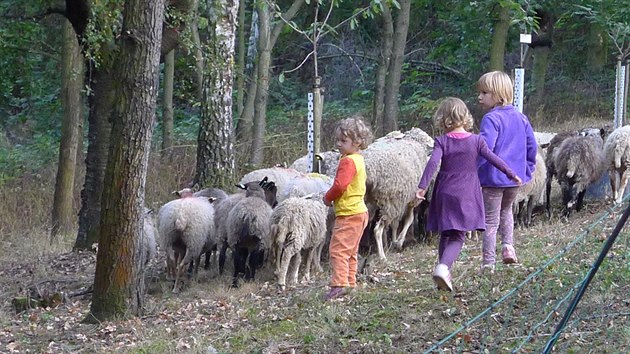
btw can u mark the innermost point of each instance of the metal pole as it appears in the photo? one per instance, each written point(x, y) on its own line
point(310, 133)
point(519, 86)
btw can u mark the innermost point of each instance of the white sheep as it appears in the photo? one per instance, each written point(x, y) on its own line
point(149, 245)
point(184, 226)
point(305, 184)
point(279, 175)
point(617, 151)
point(579, 161)
point(394, 165)
point(531, 193)
point(325, 163)
point(297, 225)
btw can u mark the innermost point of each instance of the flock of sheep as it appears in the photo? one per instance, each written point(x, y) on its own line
point(278, 214)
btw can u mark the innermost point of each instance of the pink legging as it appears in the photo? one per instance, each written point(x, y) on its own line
point(498, 205)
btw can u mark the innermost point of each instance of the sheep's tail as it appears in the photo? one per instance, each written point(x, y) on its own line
point(180, 224)
point(280, 232)
point(245, 230)
point(619, 154)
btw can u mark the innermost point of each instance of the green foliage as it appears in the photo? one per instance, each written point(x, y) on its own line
point(103, 28)
point(614, 16)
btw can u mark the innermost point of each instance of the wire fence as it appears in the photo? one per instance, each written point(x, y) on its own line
point(529, 317)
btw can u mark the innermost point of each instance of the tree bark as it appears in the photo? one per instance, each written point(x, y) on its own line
point(119, 280)
point(499, 37)
point(194, 29)
point(245, 121)
point(390, 119)
point(167, 103)
point(71, 86)
point(215, 145)
point(260, 103)
point(240, 61)
point(100, 104)
point(378, 105)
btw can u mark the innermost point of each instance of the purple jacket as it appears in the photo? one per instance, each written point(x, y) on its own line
point(509, 135)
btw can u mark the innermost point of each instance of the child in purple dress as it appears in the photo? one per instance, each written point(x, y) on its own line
point(456, 204)
point(510, 136)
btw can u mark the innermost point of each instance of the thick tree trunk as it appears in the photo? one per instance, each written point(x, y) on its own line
point(378, 105)
point(260, 104)
point(119, 279)
point(215, 158)
point(71, 86)
point(390, 119)
point(167, 103)
point(194, 30)
point(101, 103)
point(499, 37)
point(245, 121)
point(240, 61)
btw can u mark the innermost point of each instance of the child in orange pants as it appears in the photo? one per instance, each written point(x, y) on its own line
point(346, 194)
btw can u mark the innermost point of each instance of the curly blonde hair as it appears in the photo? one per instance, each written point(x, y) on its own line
point(355, 128)
point(499, 84)
point(453, 113)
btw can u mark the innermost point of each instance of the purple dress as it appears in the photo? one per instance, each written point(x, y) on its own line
point(457, 202)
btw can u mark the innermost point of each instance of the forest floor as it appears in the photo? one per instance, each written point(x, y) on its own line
point(395, 309)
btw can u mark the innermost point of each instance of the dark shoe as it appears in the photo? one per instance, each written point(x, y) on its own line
point(334, 292)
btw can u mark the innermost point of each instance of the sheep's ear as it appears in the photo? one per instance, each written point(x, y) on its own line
point(176, 193)
point(602, 132)
point(211, 199)
point(241, 186)
point(263, 181)
point(319, 157)
point(544, 146)
point(196, 187)
point(150, 211)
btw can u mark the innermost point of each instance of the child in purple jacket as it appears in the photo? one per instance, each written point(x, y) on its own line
point(510, 136)
point(456, 203)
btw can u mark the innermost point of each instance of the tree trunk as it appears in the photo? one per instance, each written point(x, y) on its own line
point(119, 278)
point(597, 48)
point(215, 158)
point(245, 121)
point(194, 30)
point(260, 104)
point(167, 103)
point(240, 61)
point(390, 119)
point(499, 37)
point(378, 105)
point(100, 103)
point(71, 86)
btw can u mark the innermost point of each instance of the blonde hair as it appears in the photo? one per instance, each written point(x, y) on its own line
point(499, 84)
point(453, 113)
point(356, 130)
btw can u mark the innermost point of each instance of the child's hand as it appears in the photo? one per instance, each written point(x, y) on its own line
point(327, 203)
point(420, 195)
point(518, 180)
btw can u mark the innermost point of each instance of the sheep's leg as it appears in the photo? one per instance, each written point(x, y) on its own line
point(622, 185)
point(378, 236)
point(312, 253)
point(580, 200)
point(408, 222)
point(222, 257)
point(614, 184)
point(530, 210)
point(318, 257)
point(282, 267)
point(548, 195)
point(295, 267)
point(240, 259)
point(180, 265)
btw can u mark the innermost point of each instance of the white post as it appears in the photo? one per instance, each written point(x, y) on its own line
point(310, 144)
point(619, 95)
point(519, 87)
point(519, 73)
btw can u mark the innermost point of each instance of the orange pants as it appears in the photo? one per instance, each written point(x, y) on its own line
point(344, 247)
